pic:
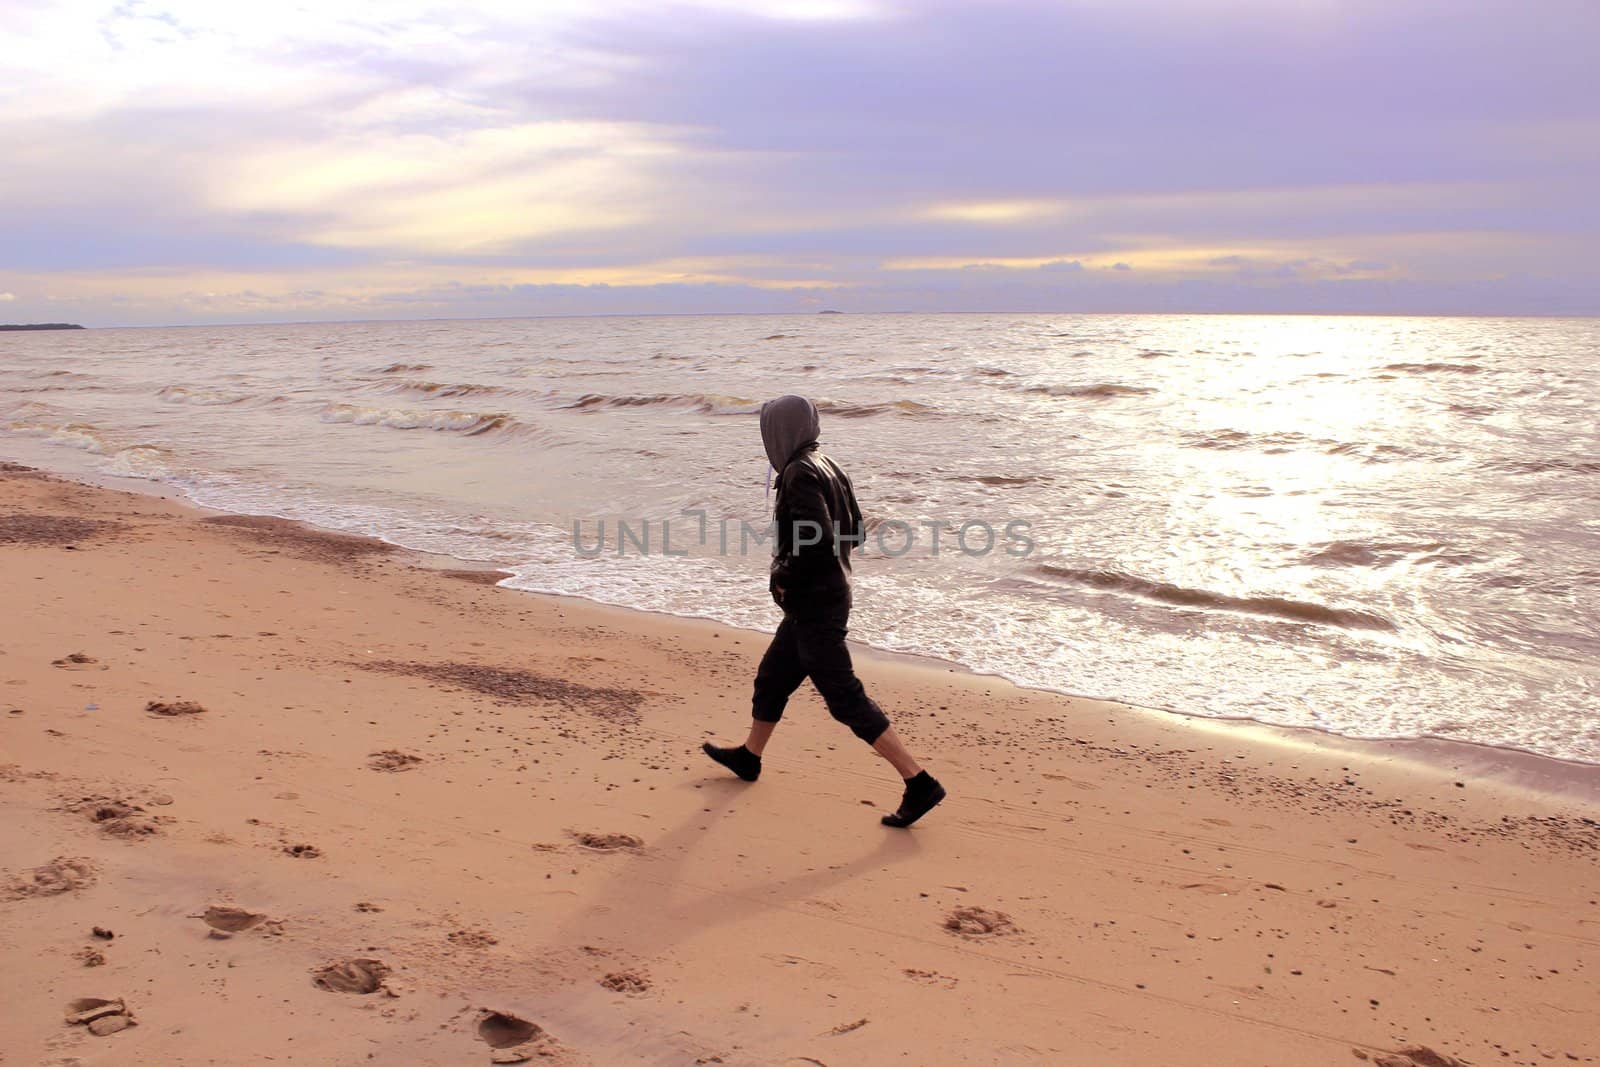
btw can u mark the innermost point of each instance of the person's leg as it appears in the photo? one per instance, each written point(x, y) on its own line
point(778, 676)
point(822, 654)
point(890, 747)
point(760, 734)
point(826, 658)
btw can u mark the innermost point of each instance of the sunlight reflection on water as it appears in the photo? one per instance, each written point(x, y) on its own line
point(1386, 527)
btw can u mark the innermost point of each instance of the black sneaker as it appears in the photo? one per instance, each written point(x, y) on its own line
point(923, 794)
point(740, 761)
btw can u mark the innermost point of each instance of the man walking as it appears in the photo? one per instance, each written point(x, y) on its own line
point(817, 523)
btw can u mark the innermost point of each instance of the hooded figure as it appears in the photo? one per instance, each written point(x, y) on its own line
point(816, 513)
point(788, 424)
point(817, 522)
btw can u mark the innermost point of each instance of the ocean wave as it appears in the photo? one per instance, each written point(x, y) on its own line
point(136, 460)
point(716, 404)
point(1370, 451)
point(1010, 481)
point(405, 368)
point(848, 410)
point(441, 390)
point(1235, 440)
point(1434, 368)
point(1278, 443)
point(142, 461)
point(182, 394)
point(1110, 581)
point(82, 435)
point(1097, 391)
point(1383, 554)
point(466, 423)
point(700, 403)
point(1549, 465)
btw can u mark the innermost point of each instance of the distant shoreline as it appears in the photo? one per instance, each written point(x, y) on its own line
point(14, 327)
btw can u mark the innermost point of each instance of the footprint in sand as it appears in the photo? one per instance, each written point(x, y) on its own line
point(478, 939)
point(625, 982)
point(606, 842)
point(974, 922)
point(302, 852)
point(361, 976)
point(78, 661)
point(103, 1017)
point(226, 920)
point(61, 875)
point(118, 818)
point(929, 977)
point(503, 1030)
point(392, 760)
point(173, 709)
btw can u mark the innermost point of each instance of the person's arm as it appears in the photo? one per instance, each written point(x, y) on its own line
point(856, 528)
point(810, 527)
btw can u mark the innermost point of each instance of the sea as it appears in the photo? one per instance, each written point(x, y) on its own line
point(1376, 527)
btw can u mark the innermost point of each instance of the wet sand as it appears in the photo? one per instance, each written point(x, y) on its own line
point(326, 805)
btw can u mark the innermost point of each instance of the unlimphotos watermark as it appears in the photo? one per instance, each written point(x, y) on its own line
point(890, 537)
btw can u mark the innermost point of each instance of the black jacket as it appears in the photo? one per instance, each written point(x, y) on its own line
point(818, 522)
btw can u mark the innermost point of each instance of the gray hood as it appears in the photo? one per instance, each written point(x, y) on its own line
point(788, 424)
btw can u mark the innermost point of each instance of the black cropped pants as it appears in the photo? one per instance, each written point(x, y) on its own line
point(811, 645)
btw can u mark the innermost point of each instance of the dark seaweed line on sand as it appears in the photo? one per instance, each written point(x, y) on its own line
point(51, 529)
point(302, 539)
point(523, 687)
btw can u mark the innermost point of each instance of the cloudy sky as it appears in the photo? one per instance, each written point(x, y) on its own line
point(180, 161)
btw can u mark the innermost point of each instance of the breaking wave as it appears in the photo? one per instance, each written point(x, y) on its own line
point(441, 390)
point(82, 435)
point(857, 411)
point(182, 394)
point(139, 460)
point(1109, 581)
point(466, 423)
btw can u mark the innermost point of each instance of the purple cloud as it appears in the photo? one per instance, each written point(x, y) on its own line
point(1153, 154)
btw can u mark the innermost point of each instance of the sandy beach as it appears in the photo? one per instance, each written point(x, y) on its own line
point(295, 797)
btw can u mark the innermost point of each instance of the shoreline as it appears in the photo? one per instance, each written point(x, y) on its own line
point(496, 803)
point(1540, 772)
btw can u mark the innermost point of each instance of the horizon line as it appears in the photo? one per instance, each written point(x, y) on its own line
point(858, 314)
